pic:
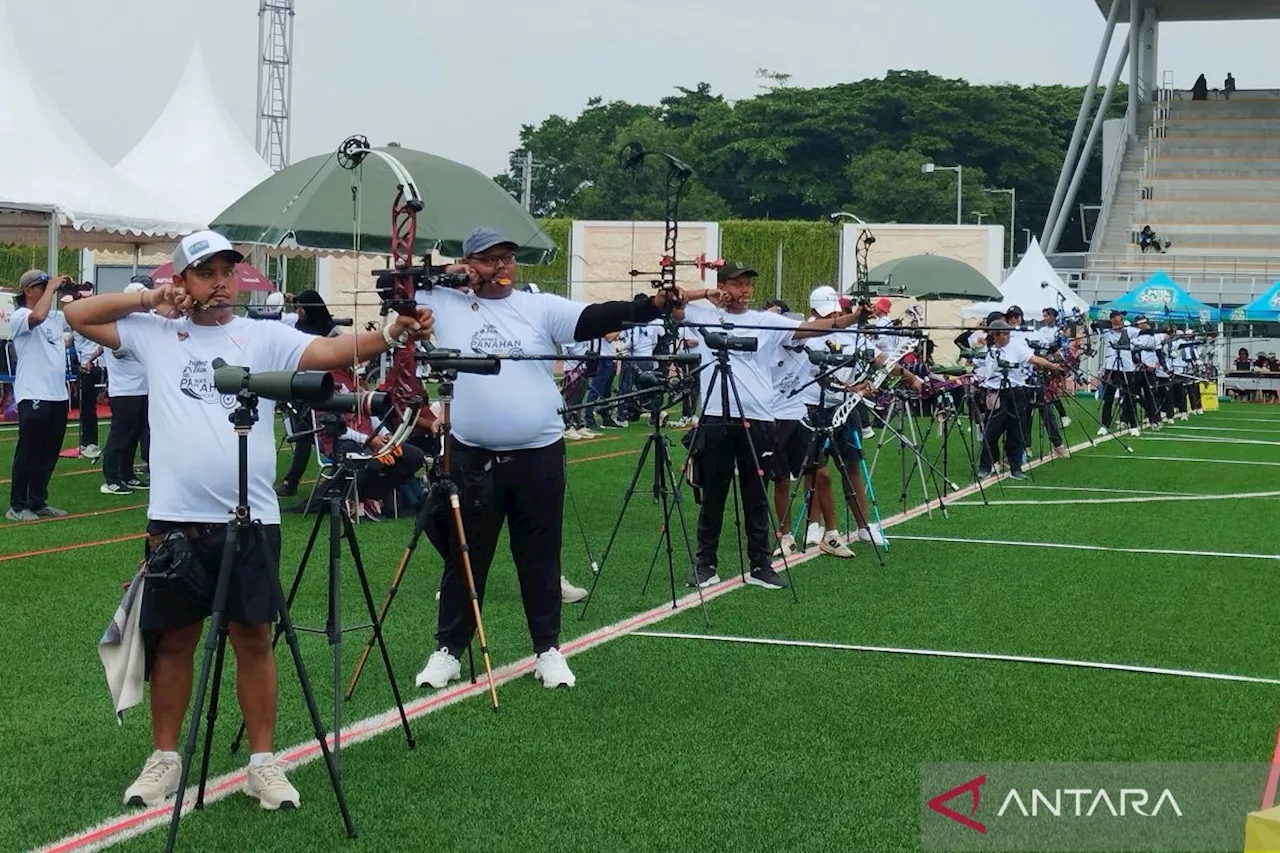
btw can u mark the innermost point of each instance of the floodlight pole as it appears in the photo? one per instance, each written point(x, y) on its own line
point(1013, 215)
point(930, 168)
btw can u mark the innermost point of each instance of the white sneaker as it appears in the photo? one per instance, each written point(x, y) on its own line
point(813, 535)
point(833, 544)
point(159, 779)
point(441, 668)
point(1066, 421)
point(1135, 432)
point(553, 670)
point(1102, 430)
point(90, 451)
point(875, 534)
point(267, 784)
point(570, 594)
point(572, 434)
point(586, 433)
point(868, 432)
point(786, 546)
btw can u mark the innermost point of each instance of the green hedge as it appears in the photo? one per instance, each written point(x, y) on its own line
point(810, 255)
point(17, 259)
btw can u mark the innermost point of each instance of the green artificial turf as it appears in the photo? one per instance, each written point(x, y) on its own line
point(675, 744)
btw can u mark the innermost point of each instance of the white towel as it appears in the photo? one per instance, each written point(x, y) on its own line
point(122, 653)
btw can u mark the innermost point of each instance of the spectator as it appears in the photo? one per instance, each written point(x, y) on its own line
point(1243, 361)
point(1147, 239)
point(1229, 85)
point(1200, 91)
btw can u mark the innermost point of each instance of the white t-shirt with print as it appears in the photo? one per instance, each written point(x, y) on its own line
point(85, 349)
point(791, 369)
point(644, 339)
point(41, 373)
point(194, 451)
point(1015, 353)
point(517, 409)
point(848, 343)
point(752, 371)
point(126, 377)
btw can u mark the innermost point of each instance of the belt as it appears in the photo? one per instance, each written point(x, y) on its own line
point(192, 532)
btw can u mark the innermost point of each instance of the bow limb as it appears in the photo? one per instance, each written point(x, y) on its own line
point(402, 384)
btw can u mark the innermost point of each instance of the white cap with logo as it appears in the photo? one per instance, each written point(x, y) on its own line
point(195, 249)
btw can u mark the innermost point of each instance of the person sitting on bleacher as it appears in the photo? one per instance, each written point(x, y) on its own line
point(1147, 239)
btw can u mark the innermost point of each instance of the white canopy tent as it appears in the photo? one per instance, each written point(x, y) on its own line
point(50, 170)
point(194, 151)
point(1033, 286)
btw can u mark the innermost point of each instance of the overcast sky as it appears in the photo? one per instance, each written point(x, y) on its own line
point(459, 77)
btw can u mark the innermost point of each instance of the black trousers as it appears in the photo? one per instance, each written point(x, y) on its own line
point(1004, 420)
point(719, 446)
point(522, 488)
point(1118, 384)
point(87, 385)
point(377, 481)
point(298, 422)
point(42, 426)
point(1194, 392)
point(128, 428)
point(1145, 380)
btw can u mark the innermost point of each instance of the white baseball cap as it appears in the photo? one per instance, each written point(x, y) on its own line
point(824, 301)
point(134, 287)
point(195, 249)
point(275, 300)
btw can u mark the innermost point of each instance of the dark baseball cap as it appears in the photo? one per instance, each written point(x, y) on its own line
point(1116, 312)
point(485, 238)
point(733, 269)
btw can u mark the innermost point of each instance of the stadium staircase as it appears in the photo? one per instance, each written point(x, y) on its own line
point(1205, 175)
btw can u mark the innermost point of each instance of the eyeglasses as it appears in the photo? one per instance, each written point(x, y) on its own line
point(507, 259)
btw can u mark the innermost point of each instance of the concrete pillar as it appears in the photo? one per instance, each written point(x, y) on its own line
point(1149, 45)
point(1135, 52)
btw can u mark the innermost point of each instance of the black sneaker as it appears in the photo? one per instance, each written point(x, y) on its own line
point(135, 483)
point(984, 473)
point(286, 489)
point(767, 578)
point(703, 577)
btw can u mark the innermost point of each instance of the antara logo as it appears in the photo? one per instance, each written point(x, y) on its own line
point(1056, 802)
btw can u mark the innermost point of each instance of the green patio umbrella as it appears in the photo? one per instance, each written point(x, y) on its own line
point(312, 207)
point(934, 277)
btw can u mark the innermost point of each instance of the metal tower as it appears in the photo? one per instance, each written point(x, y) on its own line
point(275, 81)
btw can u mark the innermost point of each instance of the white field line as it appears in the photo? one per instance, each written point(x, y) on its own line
point(1130, 500)
point(1066, 546)
point(1094, 489)
point(130, 824)
point(939, 653)
point(1199, 461)
point(1210, 439)
point(1226, 429)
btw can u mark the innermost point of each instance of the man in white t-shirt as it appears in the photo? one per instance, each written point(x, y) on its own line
point(127, 390)
point(724, 440)
point(1002, 376)
point(507, 451)
point(40, 388)
point(194, 486)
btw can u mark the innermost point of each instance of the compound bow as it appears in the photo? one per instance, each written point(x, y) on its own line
point(403, 387)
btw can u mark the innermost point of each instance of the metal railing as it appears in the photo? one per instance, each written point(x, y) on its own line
point(1216, 290)
point(1230, 266)
point(1112, 188)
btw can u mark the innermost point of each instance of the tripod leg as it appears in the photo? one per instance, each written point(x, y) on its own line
point(333, 626)
point(313, 710)
point(215, 691)
point(375, 624)
point(461, 532)
point(617, 524)
point(212, 639)
point(293, 592)
point(419, 525)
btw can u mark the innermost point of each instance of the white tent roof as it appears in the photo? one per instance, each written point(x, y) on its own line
point(48, 164)
point(1033, 286)
point(194, 151)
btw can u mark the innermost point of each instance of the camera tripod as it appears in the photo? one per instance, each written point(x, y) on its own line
point(340, 527)
point(666, 488)
point(952, 418)
point(724, 373)
point(244, 528)
point(442, 485)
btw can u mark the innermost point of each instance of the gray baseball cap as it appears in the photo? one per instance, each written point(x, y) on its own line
point(31, 278)
point(195, 249)
point(484, 238)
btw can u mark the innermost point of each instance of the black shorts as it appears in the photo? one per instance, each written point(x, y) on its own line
point(250, 599)
point(847, 438)
point(791, 443)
